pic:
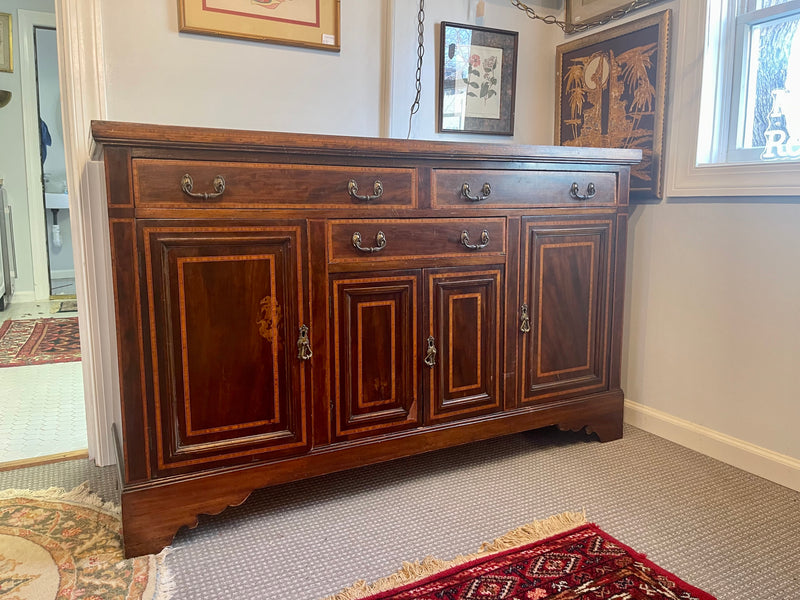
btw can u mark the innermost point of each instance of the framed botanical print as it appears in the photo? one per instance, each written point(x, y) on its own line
point(309, 23)
point(477, 79)
point(610, 93)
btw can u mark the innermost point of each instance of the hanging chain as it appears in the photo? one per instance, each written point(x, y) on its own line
point(420, 54)
point(581, 27)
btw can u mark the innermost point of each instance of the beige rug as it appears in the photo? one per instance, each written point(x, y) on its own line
point(56, 544)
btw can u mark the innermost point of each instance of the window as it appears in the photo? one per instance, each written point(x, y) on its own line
point(734, 112)
point(757, 68)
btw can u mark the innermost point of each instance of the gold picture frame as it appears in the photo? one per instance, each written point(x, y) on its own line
point(583, 13)
point(611, 92)
point(309, 23)
point(6, 47)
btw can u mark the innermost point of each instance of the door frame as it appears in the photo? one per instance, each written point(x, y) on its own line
point(83, 98)
point(28, 21)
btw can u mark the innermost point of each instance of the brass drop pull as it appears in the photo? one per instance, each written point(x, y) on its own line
point(187, 185)
point(377, 190)
point(380, 242)
point(430, 357)
point(483, 244)
point(525, 320)
point(303, 344)
point(574, 191)
point(485, 191)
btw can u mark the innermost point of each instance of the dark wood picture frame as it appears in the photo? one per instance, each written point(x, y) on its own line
point(611, 92)
point(477, 79)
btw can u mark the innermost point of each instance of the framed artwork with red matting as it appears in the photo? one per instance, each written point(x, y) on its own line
point(308, 23)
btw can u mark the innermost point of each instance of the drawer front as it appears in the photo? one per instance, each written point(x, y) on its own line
point(159, 184)
point(393, 239)
point(517, 189)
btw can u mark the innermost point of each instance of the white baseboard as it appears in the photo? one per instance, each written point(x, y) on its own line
point(765, 463)
point(62, 274)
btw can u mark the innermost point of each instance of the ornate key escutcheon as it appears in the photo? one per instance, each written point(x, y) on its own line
point(430, 357)
point(303, 344)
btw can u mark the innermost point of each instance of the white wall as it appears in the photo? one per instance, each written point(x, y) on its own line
point(535, 95)
point(12, 152)
point(157, 75)
point(712, 330)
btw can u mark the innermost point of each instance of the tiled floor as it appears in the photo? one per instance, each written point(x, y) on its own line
point(34, 310)
point(41, 406)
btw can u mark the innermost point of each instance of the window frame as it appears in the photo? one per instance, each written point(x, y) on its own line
point(746, 18)
point(688, 141)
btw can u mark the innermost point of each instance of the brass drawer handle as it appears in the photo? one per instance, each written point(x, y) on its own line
point(485, 191)
point(303, 344)
point(187, 185)
point(574, 191)
point(380, 242)
point(483, 244)
point(377, 189)
point(525, 321)
point(430, 357)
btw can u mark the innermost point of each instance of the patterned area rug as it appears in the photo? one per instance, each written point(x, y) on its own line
point(67, 546)
point(546, 560)
point(39, 341)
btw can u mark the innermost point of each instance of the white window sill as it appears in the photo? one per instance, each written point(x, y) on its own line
point(749, 179)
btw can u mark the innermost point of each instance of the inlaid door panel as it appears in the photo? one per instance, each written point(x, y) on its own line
point(464, 321)
point(226, 304)
point(375, 366)
point(566, 267)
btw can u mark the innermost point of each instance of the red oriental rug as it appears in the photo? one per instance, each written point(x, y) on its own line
point(578, 563)
point(39, 341)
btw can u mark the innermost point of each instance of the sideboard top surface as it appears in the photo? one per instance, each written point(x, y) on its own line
point(140, 135)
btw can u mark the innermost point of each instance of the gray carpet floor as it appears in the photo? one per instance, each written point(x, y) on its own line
point(728, 532)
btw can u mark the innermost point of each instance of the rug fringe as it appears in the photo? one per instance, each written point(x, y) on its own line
point(82, 495)
point(165, 585)
point(415, 571)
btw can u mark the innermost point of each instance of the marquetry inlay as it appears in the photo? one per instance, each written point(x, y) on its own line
point(183, 452)
point(182, 263)
point(454, 331)
point(385, 391)
point(590, 260)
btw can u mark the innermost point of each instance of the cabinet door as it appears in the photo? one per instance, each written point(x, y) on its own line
point(225, 304)
point(566, 267)
point(463, 325)
point(375, 361)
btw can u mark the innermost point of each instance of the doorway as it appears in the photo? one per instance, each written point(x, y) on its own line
point(61, 270)
point(41, 376)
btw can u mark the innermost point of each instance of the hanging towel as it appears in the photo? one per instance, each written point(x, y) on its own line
point(46, 139)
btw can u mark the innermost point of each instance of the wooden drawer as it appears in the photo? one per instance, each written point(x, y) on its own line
point(157, 184)
point(517, 189)
point(413, 238)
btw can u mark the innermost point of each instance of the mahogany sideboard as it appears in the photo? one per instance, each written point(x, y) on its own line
point(292, 305)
